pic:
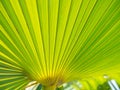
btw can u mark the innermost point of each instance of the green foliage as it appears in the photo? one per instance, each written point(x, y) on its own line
point(39, 87)
point(57, 41)
point(104, 86)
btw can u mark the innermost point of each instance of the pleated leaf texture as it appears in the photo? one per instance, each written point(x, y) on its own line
point(57, 41)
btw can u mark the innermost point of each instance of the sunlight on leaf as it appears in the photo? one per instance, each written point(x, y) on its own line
point(54, 42)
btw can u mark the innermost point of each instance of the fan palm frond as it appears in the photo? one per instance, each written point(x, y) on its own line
point(57, 41)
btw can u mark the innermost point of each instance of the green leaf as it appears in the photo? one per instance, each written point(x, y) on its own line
point(57, 41)
point(39, 87)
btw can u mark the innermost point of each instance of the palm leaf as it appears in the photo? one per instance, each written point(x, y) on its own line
point(57, 41)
